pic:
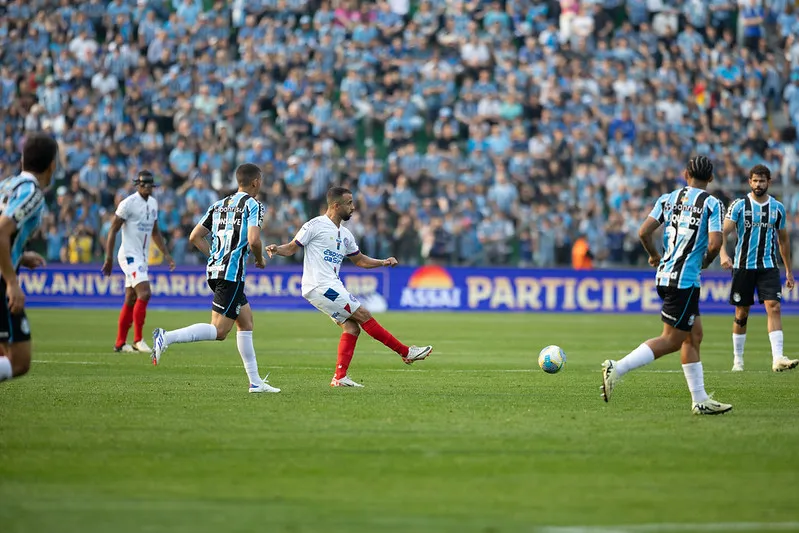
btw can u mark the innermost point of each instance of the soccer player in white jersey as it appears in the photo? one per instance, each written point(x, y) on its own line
point(326, 242)
point(136, 216)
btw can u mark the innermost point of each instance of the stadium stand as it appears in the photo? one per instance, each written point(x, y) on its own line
point(473, 132)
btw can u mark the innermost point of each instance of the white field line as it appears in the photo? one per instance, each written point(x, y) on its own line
point(664, 528)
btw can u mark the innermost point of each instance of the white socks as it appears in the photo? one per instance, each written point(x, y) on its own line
point(643, 355)
point(738, 342)
point(247, 351)
point(776, 344)
point(696, 381)
point(193, 333)
point(5, 368)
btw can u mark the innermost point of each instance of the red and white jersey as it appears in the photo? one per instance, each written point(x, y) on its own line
point(325, 247)
point(140, 216)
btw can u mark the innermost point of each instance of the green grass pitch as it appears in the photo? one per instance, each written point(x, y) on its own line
point(474, 439)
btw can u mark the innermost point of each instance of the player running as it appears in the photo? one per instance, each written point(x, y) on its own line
point(21, 208)
point(759, 221)
point(136, 216)
point(691, 240)
point(326, 242)
point(234, 224)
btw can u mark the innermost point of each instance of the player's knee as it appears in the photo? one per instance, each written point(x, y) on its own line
point(143, 294)
point(361, 315)
point(222, 332)
point(773, 307)
point(697, 337)
point(352, 328)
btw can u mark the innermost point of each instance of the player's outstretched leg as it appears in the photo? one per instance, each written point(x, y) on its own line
point(373, 328)
point(346, 349)
point(124, 323)
point(779, 363)
point(162, 339)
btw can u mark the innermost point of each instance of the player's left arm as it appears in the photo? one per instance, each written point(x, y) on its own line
point(364, 261)
point(198, 239)
point(785, 253)
point(158, 239)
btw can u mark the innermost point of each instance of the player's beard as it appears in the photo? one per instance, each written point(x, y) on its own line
point(346, 216)
point(758, 192)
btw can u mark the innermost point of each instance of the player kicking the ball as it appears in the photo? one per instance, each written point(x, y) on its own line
point(326, 243)
point(691, 239)
point(136, 216)
point(234, 224)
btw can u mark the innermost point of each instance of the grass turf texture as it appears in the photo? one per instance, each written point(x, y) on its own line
point(475, 439)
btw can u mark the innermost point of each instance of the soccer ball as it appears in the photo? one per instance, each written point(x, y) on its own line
point(551, 359)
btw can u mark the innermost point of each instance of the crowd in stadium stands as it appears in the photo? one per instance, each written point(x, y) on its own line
point(472, 132)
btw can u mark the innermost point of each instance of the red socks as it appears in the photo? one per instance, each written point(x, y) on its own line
point(125, 320)
point(139, 313)
point(346, 349)
point(379, 333)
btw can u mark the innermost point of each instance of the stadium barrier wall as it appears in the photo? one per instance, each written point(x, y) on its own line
point(426, 288)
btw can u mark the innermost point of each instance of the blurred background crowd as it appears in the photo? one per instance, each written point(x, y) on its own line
point(473, 132)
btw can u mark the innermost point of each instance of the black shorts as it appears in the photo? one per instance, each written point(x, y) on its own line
point(229, 297)
point(745, 280)
point(13, 328)
point(680, 307)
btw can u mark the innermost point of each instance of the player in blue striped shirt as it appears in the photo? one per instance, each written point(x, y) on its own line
point(21, 209)
point(234, 225)
point(759, 223)
point(691, 241)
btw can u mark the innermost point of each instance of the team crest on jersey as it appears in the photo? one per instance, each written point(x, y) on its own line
point(346, 242)
point(736, 297)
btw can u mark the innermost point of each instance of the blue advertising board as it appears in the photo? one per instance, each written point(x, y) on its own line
point(426, 288)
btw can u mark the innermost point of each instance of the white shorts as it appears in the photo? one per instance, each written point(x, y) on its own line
point(135, 269)
point(335, 302)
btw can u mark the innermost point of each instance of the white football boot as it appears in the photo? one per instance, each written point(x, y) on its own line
point(141, 346)
point(781, 364)
point(125, 348)
point(159, 345)
point(264, 386)
point(417, 353)
point(710, 407)
point(609, 378)
point(346, 381)
point(737, 366)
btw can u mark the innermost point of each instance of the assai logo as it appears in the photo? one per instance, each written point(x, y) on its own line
point(431, 287)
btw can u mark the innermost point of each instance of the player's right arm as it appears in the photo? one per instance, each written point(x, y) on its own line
point(729, 227)
point(300, 240)
point(16, 298)
point(110, 244)
point(647, 230)
point(714, 229)
point(25, 203)
point(201, 231)
point(785, 249)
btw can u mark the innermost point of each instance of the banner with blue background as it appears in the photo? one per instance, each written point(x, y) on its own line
point(425, 288)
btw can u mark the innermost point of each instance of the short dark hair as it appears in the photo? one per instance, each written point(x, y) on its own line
point(760, 170)
point(247, 173)
point(335, 194)
point(39, 152)
point(700, 168)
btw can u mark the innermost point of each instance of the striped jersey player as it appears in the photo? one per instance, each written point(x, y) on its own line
point(691, 220)
point(21, 210)
point(234, 227)
point(759, 223)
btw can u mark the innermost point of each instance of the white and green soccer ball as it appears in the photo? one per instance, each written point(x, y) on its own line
point(551, 359)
